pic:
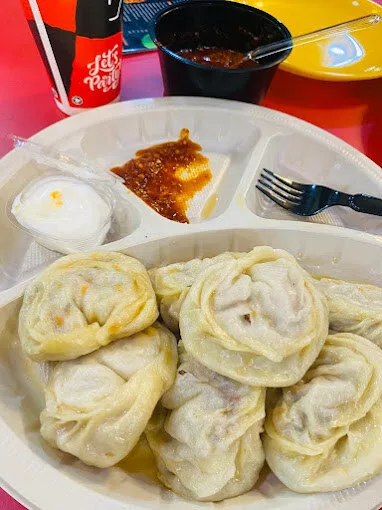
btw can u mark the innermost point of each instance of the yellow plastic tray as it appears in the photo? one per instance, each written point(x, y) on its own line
point(354, 56)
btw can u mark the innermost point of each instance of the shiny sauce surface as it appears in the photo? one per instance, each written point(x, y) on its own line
point(217, 57)
point(167, 176)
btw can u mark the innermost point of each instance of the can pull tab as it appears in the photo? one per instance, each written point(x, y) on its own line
point(110, 3)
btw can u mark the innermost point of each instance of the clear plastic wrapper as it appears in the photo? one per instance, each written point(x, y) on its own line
point(70, 206)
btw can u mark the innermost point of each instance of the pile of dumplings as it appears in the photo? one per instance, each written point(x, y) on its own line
point(222, 364)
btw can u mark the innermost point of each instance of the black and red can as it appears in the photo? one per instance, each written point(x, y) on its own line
point(80, 42)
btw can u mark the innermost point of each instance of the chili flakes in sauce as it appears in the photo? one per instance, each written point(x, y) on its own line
point(167, 176)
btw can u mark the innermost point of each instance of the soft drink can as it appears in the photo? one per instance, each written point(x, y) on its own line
point(80, 42)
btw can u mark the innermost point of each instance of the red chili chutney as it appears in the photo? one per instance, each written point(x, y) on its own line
point(167, 176)
point(217, 57)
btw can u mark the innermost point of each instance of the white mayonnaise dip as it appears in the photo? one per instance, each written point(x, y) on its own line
point(64, 210)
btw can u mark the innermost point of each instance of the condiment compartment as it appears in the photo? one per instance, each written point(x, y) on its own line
point(21, 256)
point(308, 159)
point(227, 140)
point(29, 465)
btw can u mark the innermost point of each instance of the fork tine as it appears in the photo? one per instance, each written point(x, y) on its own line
point(286, 196)
point(275, 198)
point(286, 189)
point(288, 182)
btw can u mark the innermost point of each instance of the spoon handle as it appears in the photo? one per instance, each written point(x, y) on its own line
point(286, 44)
point(62, 161)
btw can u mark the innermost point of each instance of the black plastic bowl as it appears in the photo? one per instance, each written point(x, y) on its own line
point(222, 24)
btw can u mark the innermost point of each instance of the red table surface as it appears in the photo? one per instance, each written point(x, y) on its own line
point(352, 111)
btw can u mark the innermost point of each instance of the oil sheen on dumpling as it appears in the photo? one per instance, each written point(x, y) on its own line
point(83, 302)
point(98, 405)
point(206, 435)
point(172, 283)
point(354, 308)
point(325, 433)
point(259, 319)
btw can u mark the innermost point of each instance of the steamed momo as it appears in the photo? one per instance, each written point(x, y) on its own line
point(354, 308)
point(206, 437)
point(83, 302)
point(259, 319)
point(325, 433)
point(172, 283)
point(98, 406)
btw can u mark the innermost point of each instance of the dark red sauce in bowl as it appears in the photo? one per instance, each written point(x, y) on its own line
point(217, 57)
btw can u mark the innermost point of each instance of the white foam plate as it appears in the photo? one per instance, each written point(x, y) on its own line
point(239, 139)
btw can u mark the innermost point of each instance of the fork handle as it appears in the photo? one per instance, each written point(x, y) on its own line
point(365, 203)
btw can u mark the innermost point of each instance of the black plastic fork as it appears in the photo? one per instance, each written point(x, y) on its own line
point(310, 199)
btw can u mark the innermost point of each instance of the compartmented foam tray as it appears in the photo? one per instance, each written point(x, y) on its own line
point(228, 215)
point(239, 139)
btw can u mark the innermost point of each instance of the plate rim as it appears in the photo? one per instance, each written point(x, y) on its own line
point(105, 112)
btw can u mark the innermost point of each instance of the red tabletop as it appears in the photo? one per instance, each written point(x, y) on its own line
point(352, 111)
